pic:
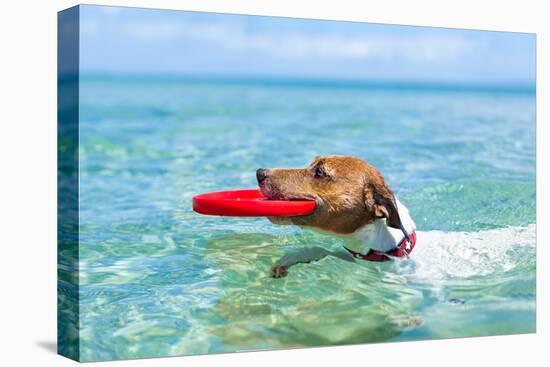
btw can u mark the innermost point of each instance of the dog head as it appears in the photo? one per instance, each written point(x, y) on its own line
point(349, 193)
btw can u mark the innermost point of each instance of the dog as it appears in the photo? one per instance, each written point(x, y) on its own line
point(353, 202)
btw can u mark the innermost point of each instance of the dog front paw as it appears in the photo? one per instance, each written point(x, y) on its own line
point(279, 271)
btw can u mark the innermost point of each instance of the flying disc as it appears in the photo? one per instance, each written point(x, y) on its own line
point(249, 203)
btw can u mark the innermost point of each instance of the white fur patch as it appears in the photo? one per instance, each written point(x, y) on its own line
point(379, 236)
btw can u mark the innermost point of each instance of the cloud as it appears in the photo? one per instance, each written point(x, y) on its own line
point(296, 45)
point(110, 10)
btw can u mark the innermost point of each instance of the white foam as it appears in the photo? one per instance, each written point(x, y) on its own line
point(442, 255)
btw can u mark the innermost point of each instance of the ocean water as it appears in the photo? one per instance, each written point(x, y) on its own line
point(158, 279)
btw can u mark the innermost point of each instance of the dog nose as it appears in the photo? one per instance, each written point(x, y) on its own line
point(261, 174)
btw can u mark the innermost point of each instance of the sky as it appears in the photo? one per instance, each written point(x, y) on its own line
point(134, 40)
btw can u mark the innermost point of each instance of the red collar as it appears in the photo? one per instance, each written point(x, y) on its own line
point(401, 250)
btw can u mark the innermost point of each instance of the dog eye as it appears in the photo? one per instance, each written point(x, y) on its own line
point(320, 172)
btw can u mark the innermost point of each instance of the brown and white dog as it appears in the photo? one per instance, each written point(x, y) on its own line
point(353, 201)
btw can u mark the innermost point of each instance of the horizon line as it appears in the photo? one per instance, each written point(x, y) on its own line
point(296, 80)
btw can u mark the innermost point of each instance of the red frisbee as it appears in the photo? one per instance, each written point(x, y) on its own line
point(249, 203)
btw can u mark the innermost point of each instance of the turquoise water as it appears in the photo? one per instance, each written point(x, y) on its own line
point(158, 279)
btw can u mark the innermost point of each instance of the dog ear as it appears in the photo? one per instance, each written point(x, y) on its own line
point(384, 205)
point(382, 201)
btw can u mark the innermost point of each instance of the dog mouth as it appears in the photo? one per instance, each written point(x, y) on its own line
point(272, 193)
